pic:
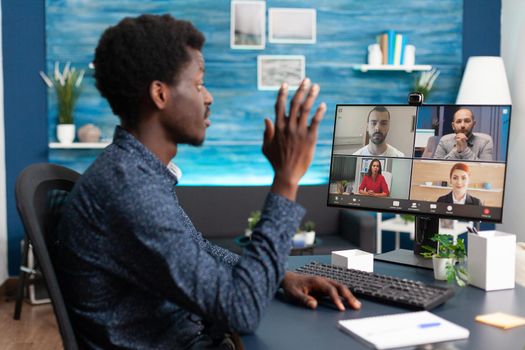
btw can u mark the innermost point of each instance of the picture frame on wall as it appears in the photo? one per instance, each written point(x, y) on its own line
point(292, 26)
point(247, 24)
point(273, 70)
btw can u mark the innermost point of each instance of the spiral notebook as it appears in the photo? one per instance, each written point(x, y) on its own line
point(406, 329)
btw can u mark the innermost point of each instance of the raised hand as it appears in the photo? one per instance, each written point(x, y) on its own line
point(461, 142)
point(289, 145)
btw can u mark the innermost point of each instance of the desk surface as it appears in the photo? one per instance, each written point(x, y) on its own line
point(287, 326)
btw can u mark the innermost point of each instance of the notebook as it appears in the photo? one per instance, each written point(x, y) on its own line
point(405, 329)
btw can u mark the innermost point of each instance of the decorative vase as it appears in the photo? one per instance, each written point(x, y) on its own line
point(66, 133)
point(409, 55)
point(375, 55)
point(89, 133)
point(440, 267)
point(309, 237)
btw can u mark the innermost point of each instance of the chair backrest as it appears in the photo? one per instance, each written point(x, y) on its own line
point(40, 192)
point(431, 147)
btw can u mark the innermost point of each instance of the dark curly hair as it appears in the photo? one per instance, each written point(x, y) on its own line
point(137, 51)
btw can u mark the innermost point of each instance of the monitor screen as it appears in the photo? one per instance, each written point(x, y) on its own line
point(431, 160)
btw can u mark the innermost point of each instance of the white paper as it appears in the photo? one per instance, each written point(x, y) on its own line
point(406, 329)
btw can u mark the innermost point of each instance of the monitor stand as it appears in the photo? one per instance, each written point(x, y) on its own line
point(426, 227)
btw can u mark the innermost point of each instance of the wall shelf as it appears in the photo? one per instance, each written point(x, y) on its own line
point(78, 145)
point(391, 67)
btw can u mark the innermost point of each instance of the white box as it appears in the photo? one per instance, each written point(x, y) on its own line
point(353, 259)
point(491, 260)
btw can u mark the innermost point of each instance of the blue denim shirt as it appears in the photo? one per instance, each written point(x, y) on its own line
point(134, 271)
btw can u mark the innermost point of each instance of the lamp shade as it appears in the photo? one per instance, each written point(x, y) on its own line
point(484, 82)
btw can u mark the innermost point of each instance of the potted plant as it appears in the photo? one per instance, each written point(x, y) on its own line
point(67, 85)
point(304, 236)
point(341, 188)
point(425, 81)
point(448, 259)
point(407, 218)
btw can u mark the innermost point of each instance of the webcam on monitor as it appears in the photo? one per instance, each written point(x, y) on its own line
point(415, 98)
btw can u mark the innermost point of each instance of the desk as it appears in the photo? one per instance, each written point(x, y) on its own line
point(287, 326)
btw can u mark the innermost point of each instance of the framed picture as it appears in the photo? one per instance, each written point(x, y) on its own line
point(273, 70)
point(247, 25)
point(292, 25)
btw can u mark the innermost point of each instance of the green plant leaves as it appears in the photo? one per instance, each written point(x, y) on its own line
point(446, 248)
point(67, 85)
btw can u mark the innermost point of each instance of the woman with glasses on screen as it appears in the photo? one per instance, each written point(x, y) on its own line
point(459, 181)
point(374, 184)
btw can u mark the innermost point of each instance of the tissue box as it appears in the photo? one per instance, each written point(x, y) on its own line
point(491, 260)
point(353, 259)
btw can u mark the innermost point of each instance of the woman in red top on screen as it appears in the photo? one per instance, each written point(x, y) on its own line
point(374, 183)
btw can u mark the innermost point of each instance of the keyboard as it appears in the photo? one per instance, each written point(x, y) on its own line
point(382, 288)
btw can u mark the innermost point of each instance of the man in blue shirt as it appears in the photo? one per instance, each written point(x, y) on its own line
point(134, 271)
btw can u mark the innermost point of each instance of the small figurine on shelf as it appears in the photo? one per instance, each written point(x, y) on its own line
point(425, 81)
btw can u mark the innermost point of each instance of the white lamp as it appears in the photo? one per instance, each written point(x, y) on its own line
point(484, 82)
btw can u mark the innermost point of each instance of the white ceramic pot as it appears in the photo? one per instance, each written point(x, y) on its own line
point(409, 55)
point(440, 265)
point(303, 239)
point(309, 237)
point(66, 133)
point(375, 55)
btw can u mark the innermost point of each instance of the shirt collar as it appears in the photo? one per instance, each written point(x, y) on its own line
point(461, 200)
point(125, 140)
point(175, 170)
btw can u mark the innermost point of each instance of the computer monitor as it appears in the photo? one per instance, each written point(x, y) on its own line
point(432, 161)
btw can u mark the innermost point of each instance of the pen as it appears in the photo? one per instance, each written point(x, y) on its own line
point(472, 230)
point(428, 325)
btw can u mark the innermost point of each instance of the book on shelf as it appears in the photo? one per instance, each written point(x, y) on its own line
point(383, 43)
point(392, 47)
point(398, 49)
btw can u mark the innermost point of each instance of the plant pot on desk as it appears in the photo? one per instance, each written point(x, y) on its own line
point(440, 267)
point(66, 133)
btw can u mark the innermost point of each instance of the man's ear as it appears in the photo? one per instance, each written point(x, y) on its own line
point(158, 92)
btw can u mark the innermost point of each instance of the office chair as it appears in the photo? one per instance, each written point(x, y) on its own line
point(41, 190)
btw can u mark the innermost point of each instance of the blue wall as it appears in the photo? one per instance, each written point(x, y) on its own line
point(232, 149)
point(25, 107)
point(25, 111)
